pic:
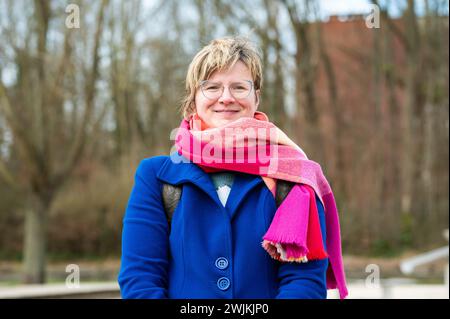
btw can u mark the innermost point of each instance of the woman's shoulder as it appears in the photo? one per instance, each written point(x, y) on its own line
point(150, 164)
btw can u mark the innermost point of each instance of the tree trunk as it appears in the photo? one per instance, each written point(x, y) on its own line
point(35, 242)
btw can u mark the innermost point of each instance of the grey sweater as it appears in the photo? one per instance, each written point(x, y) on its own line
point(223, 181)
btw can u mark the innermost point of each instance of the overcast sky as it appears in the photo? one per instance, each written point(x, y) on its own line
point(344, 6)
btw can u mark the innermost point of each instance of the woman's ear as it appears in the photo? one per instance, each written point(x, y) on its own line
point(257, 96)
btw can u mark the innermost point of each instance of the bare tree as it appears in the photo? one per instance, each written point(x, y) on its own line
point(422, 41)
point(34, 111)
point(306, 62)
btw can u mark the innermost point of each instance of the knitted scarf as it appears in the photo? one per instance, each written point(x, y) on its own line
point(256, 146)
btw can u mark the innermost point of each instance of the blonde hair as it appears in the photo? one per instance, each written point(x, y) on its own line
point(220, 54)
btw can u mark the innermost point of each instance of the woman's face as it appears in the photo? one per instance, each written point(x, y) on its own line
point(226, 108)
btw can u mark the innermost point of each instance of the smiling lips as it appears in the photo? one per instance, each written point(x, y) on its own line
point(226, 113)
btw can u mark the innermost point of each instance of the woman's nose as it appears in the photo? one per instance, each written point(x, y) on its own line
point(226, 97)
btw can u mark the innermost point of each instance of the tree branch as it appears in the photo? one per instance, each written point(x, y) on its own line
point(79, 144)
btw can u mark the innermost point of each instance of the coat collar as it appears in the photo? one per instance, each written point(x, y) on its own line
point(178, 170)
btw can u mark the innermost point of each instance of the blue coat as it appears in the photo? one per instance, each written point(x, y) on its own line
point(211, 251)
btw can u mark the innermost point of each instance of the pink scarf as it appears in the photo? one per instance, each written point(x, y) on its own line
point(256, 146)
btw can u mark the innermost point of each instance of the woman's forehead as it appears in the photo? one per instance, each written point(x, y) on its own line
point(238, 72)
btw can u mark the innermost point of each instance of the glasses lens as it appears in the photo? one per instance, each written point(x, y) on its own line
point(240, 90)
point(211, 90)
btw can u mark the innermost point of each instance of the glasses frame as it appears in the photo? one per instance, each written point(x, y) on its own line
point(223, 89)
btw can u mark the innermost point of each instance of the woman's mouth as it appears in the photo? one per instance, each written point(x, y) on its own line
point(227, 114)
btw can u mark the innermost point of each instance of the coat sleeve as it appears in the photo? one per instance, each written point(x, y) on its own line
point(144, 261)
point(305, 280)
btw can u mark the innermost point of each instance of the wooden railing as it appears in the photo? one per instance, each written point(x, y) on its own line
point(109, 290)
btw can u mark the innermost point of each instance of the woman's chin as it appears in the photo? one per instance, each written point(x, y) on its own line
point(223, 119)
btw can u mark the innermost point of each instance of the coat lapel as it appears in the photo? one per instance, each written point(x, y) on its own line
point(242, 185)
point(177, 170)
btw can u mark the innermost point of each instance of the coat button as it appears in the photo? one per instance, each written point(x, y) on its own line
point(223, 283)
point(221, 263)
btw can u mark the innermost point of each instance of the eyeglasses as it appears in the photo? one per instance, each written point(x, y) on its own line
point(214, 90)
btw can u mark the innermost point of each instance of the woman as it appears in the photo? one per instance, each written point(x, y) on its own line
point(228, 237)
